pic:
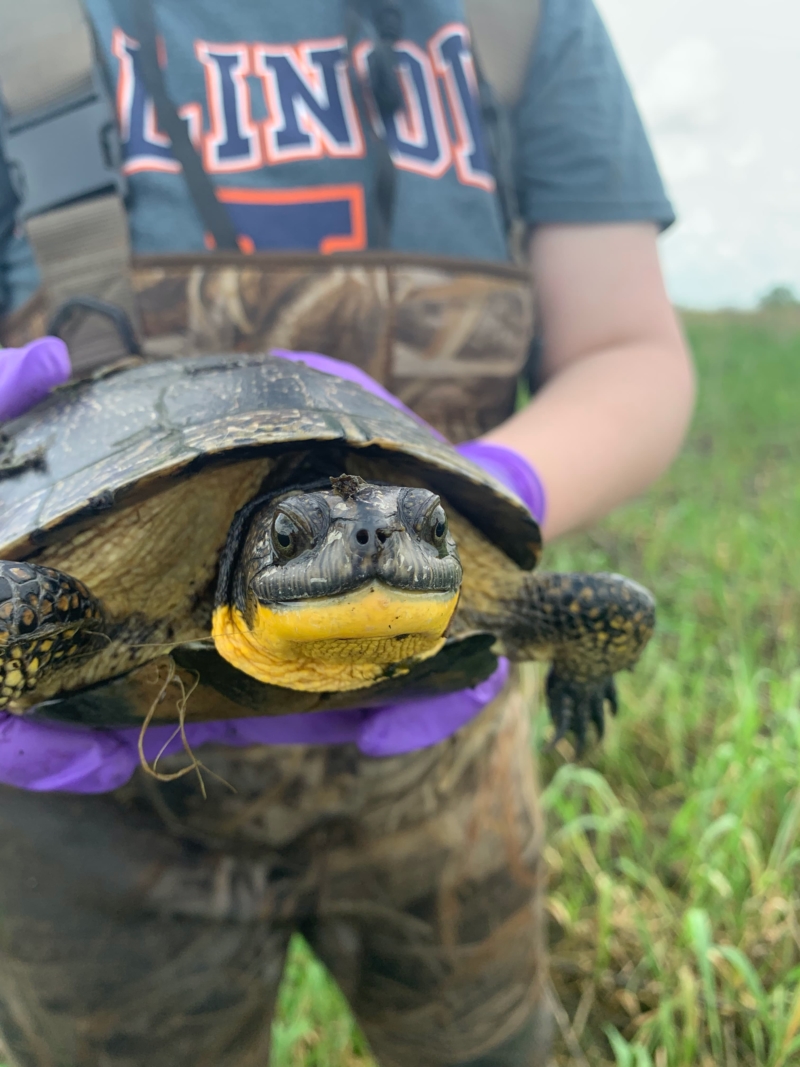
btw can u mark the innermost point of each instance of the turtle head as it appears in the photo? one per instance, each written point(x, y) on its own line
point(335, 588)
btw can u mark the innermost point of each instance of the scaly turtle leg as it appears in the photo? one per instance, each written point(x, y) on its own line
point(46, 619)
point(588, 625)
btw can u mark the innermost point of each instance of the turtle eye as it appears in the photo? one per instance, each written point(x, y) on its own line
point(288, 537)
point(436, 526)
point(423, 513)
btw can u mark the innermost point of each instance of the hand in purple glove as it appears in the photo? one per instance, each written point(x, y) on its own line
point(28, 374)
point(54, 757)
point(50, 756)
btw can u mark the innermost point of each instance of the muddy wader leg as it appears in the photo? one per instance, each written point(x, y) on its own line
point(418, 880)
point(433, 923)
point(150, 926)
point(95, 970)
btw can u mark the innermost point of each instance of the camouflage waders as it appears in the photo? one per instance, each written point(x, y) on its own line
point(149, 926)
point(449, 337)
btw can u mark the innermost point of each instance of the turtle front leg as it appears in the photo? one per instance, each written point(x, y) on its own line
point(589, 626)
point(47, 618)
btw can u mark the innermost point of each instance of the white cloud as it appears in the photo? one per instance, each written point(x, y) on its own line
point(747, 152)
point(682, 156)
point(718, 83)
point(699, 222)
point(684, 89)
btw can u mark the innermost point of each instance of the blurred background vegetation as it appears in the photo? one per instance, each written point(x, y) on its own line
point(674, 849)
point(779, 296)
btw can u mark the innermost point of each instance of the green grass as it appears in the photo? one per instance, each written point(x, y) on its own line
point(674, 849)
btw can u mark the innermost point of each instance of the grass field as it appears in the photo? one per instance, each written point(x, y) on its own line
point(674, 850)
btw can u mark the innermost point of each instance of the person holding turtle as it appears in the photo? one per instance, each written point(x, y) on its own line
point(386, 183)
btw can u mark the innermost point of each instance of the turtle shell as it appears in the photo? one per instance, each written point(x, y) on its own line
point(103, 444)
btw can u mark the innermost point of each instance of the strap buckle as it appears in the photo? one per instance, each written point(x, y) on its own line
point(65, 151)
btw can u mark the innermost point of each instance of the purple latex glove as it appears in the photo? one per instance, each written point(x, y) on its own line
point(45, 756)
point(512, 470)
point(54, 757)
point(28, 374)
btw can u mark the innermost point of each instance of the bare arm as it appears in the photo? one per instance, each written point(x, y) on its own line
point(619, 386)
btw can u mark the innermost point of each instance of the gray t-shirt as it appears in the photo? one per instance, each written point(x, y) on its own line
point(265, 91)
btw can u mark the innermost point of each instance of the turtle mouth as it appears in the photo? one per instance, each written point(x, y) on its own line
point(335, 643)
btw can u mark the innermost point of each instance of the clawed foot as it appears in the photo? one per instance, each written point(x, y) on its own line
point(46, 618)
point(573, 705)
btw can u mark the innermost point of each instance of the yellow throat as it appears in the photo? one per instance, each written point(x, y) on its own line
point(333, 644)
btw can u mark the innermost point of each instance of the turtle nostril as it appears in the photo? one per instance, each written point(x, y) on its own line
point(362, 537)
point(383, 536)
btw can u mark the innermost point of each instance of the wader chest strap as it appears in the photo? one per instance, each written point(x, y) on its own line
point(503, 33)
point(61, 145)
point(503, 36)
point(46, 54)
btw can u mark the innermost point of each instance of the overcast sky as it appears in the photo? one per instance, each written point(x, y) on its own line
point(718, 82)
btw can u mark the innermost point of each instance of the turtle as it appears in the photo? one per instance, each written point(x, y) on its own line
point(290, 541)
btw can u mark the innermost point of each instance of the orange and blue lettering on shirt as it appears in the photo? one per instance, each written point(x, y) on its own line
point(271, 105)
point(277, 129)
